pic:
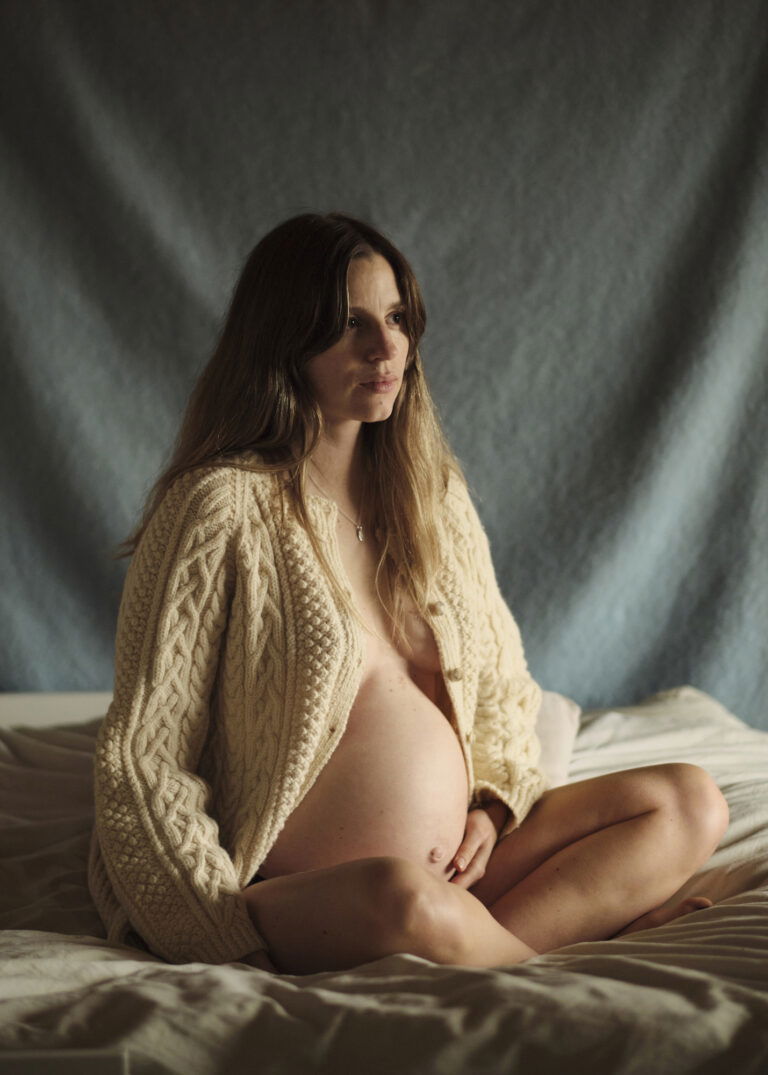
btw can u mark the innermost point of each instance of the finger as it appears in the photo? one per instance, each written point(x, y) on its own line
point(473, 864)
point(474, 871)
point(459, 880)
point(470, 847)
point(466, 852)
point(479, 864)
point(461, 863)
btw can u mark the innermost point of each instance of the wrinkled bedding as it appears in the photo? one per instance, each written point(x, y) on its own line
point(686, 997)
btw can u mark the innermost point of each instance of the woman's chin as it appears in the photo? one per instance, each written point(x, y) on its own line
point(380, 410)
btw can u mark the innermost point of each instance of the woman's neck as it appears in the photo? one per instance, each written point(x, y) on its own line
point(337, 466)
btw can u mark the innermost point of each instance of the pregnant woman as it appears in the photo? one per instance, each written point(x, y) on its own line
point(321, 748)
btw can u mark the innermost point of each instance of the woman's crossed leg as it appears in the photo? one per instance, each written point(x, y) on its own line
point(597, 857)
point(590, 860)
point(342, 916)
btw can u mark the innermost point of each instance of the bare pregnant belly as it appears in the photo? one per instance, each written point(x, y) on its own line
point(395, 785)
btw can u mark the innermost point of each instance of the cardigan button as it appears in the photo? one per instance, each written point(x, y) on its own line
point(467, 737)
point(454, 674)
point(435, 608)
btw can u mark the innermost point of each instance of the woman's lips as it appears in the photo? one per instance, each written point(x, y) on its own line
point(380, 386)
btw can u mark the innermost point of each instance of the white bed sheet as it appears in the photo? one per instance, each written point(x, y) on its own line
point(691, 996)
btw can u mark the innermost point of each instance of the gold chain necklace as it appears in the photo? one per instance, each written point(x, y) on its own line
point(358, 526)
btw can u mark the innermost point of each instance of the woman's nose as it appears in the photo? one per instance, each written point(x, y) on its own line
point(381, 342)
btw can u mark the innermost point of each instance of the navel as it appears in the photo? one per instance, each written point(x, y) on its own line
point(436, 854)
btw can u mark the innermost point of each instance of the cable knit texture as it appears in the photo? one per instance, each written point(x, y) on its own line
point(236, 670)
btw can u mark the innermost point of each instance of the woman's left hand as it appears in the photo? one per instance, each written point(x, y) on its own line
point(480, 837)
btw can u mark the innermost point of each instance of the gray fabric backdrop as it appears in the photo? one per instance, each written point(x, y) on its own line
point(582, 189)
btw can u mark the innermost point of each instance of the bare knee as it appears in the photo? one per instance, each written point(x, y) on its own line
point(352, 913)
point(421, 912)
point(697, 802)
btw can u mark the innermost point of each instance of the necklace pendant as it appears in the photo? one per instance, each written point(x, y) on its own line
point(359, 529)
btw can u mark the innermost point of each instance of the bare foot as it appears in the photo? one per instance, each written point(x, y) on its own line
point(661, 915)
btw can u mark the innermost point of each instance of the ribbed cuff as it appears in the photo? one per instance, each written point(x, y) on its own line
point(519, 801)
point(242, 940)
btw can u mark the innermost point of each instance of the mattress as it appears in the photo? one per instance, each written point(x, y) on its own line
point(690, 996)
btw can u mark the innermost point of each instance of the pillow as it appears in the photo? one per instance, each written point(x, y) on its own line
point(556, 728)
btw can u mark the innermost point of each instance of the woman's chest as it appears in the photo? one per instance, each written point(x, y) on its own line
point(416, 647)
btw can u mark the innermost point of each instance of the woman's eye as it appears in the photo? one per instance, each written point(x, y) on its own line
point(353, 322)
point(399, 317)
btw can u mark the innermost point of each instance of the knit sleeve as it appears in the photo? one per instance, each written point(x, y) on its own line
point(505, 748)
point(159, 846)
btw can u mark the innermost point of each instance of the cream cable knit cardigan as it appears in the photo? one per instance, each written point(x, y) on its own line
point(235, 673)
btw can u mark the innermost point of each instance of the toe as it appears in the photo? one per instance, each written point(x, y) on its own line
point(694, 903)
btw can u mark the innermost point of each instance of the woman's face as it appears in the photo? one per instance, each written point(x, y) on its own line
point(358, 379)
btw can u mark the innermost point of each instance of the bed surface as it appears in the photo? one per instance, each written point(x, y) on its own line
point(686, 997)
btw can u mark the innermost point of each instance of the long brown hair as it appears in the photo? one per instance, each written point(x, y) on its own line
point(289, 304)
